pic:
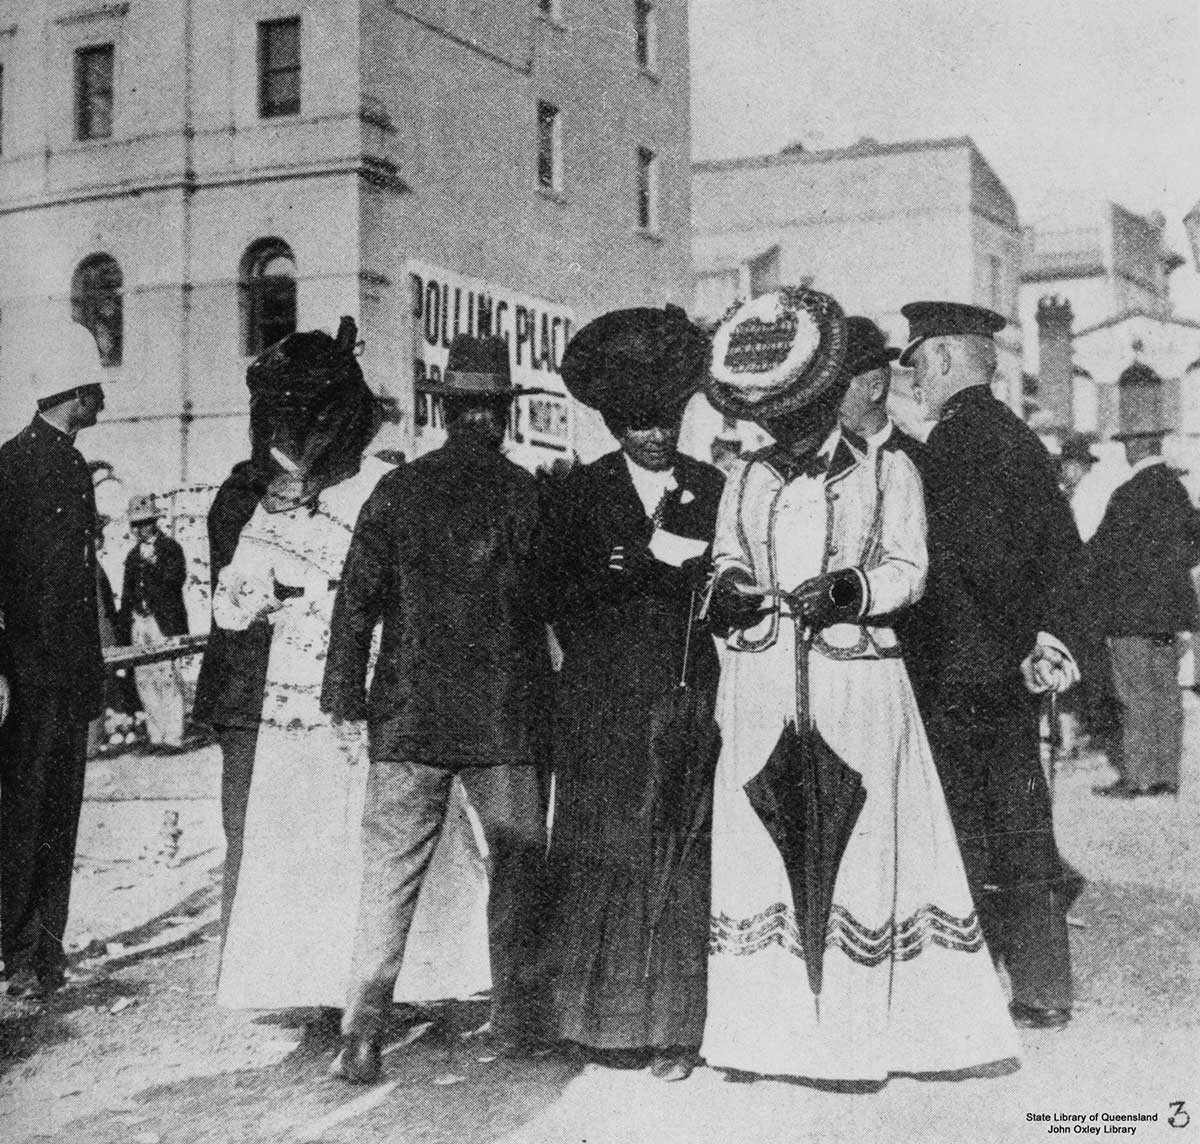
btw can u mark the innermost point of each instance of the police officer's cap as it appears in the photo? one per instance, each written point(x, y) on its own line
point(946, 319)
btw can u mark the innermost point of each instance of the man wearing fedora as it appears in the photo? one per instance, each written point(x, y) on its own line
point(152, 610)
point(1000, 539)
point(1137, 582)
point(864, 409)
point(444, 557)
point(51, 629)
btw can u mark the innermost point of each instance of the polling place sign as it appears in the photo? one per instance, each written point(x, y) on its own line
point(537, 331)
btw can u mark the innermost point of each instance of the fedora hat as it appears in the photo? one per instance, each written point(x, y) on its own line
point(636, 366)
point(476, 367)
point(866, 347)
point(143, 508)
point(776, 354)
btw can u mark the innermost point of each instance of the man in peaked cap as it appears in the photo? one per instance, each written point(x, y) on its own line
point(51, 628)
point(443, 556)
point(864, 408)
point(1000, 538)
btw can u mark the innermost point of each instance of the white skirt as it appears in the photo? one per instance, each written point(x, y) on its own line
point(909, 986)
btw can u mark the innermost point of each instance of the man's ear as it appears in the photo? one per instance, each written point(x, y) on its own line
point(879, 387)
point(944, 357)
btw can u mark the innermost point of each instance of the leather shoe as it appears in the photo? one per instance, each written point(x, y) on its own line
point(1164, 788)
point(1119, 789)
point(25, 985)
point(1034, 1017)
point(673, 1066)
point(359, 1062)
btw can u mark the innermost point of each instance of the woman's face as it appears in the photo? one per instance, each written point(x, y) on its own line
point(653, 448)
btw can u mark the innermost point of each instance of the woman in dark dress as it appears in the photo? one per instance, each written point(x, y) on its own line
point(634, 751)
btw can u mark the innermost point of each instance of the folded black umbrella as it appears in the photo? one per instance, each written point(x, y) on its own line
point(809, 801)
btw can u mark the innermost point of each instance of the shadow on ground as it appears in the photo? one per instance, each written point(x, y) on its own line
point(444, 1090)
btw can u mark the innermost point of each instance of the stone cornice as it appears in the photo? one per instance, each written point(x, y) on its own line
point(99, 12)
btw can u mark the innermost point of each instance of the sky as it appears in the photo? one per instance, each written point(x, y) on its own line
point(1072, 102)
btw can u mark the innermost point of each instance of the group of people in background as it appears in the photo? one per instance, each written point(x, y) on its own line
point(754, 758)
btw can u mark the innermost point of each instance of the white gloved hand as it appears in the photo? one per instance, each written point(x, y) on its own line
point(352, 739)
point(5, 699)
point(1049, 666)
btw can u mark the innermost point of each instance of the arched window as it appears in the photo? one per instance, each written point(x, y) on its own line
point(268, 294)
point(96, 303)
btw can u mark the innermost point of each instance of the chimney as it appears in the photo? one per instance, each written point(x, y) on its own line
point(1056, 365)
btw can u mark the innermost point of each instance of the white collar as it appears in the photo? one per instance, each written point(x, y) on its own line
point(649, 484)
point(875, 440)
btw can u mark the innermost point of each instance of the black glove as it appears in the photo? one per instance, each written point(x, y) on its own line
point(731, 610)
point(831, 598)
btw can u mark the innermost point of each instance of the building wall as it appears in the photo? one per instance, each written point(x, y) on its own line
point(876, 226)
point(417, 138)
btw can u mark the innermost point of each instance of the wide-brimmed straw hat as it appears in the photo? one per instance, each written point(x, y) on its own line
point(143, 509)
point(636, 366)
point(776, 354)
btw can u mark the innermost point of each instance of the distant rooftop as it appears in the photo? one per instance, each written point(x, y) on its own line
point(866, 146)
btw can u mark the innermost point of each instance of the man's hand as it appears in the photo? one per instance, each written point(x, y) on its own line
point(5, 699)
point(1049, 667)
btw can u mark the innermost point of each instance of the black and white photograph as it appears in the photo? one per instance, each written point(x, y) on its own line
point(599, 571)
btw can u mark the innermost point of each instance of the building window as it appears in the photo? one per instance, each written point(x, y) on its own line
point(550, 173)
point(268, 294)
point(645, 26)
point(279, 67)
point(647, 189)
point(94, 92)
point(96, 304)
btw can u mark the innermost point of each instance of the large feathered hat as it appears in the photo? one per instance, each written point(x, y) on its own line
point(777, 353)
point(636, 367)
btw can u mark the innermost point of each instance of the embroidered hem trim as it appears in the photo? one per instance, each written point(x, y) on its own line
point(776, 925)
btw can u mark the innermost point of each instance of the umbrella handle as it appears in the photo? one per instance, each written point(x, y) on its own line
point(804, 715)
point(687, 639)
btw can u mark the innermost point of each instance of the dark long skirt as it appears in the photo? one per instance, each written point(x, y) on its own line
point(629, 943)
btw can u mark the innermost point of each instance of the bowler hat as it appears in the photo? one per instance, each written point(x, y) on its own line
point(636, 366)
point(946, 319)
point(142, 509)
point(866, 347)
point(777, 353)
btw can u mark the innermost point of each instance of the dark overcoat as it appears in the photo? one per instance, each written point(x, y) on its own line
point(48, 574)
point(1137, 565)
point(629, 944)
point(233, 673)
point(156, 587)
point(1001, 540)
point(444, 554)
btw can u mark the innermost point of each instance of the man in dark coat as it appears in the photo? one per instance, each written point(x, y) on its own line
point(152, 610)
point(1138, 585)
point(444, 555)
point(48, 604)
point(1000, 538)
point(233, 672)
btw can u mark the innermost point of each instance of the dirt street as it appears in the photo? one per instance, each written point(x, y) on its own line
point(136, 1052)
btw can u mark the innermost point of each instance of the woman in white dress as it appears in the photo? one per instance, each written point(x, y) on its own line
point(813, 550)
point(292, 925)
